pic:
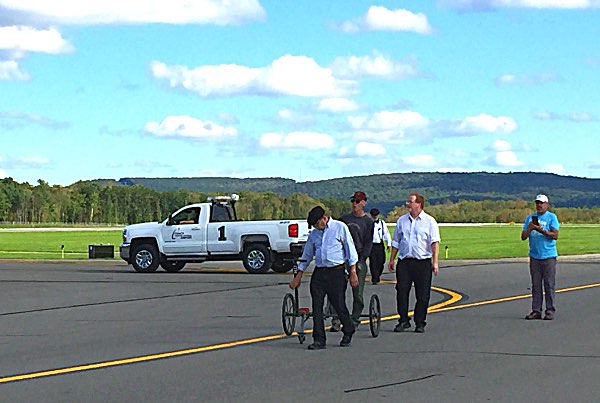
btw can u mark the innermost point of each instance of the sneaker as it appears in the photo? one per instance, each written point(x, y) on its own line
point(420, 329)
point(534, 315)
point(317, 346)
point(335, 326)
point(346, 340)
point(402, 326)
point(549, 315)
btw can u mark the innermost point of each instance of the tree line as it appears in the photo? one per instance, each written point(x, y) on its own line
point(88, 202)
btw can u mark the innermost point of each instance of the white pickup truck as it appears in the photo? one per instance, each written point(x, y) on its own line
point(211, 232)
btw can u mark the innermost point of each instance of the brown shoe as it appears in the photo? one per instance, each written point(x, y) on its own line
point(549, 315)
point(534, 315)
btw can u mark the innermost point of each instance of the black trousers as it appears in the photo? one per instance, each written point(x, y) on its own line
point(330, 282)
point(419, 272)
point(376, 261)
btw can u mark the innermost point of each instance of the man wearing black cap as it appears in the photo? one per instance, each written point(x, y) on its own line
point(361, 227)
point(330, 244)
point(381, 238)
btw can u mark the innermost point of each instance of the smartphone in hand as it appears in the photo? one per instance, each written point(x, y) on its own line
point(535, 220)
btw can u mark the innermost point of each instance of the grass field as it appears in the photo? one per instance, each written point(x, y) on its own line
point(463, 242)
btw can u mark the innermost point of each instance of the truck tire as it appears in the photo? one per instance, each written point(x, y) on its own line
point(171, 266)
point(256, 258)
point(282, 266)
point(145, 258)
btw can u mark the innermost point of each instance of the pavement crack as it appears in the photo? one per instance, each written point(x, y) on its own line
point(385, 385)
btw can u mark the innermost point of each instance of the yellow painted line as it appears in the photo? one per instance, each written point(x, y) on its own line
point(135, 360)
point(512, 298)
point(442, 306)
point(178, 353)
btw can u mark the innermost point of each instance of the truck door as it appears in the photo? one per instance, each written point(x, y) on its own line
point(184, 235)
point(220, 235)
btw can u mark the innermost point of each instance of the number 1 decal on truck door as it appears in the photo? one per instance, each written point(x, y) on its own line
point(222, 236)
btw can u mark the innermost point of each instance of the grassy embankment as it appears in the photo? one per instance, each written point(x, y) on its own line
point(463, 242)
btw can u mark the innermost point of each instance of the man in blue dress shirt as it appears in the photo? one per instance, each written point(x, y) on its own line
point(331, 245)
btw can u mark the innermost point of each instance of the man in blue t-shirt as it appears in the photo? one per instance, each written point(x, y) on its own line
point(542, 230)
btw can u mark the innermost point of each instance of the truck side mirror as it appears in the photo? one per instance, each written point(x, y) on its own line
point(170, 220)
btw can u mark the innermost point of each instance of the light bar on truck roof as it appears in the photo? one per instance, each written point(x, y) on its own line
point(215, 199)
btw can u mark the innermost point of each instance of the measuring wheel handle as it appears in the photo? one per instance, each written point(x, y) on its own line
point(374, 315)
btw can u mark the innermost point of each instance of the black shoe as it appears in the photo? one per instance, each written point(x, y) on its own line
point(402, 326)
point(316, 346)
point(420, 329)
point(335, 327)
point(533, 315)
point(346, 340)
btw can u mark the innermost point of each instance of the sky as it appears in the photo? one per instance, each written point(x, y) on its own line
point(306, 90)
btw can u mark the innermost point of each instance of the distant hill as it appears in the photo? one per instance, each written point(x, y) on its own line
point(386, 191)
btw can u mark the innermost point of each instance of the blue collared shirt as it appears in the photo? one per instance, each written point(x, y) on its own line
point(330, 247)
point(413, 236)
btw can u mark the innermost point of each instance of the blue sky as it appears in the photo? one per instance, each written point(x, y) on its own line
point(306, 90)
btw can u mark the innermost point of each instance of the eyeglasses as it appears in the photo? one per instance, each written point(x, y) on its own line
point(355, 201)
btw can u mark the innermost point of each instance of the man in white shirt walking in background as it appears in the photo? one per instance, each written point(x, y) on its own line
point(381, 240)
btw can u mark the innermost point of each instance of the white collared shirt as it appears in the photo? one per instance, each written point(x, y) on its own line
point(381, 232)
point(413, 237)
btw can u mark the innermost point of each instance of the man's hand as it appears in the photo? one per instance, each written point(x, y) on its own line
point(436, 269)
point(295, 283)
point(391, 265)
point(353, 279)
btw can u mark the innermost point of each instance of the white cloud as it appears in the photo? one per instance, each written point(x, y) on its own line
point(20, 39)
point(9, 70)
point(375, 65)
point(188, 127)
point(526, 79)
point(294, 117)
point(379, 18)
point(554, 168)
point(95, 12)
point(504, 157)
point(420, 160)
point(578, 117)
point(24, 162)
point(296, 140)
point(507, 159)
point(337, 105)
point(288, 75)
point(485, 123)
point(486, 5)
point(369, 149)
point(501, 145)
point(389, 120)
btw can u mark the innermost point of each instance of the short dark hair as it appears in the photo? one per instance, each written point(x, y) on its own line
point(314, 215)
point(374, 212)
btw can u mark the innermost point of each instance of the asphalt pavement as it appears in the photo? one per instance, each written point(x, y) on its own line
point(98, 331)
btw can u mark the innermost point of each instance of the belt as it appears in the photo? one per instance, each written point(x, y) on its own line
point(339, 266)
point(415, 259)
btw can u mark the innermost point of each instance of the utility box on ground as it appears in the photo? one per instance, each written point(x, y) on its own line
point(102, 251)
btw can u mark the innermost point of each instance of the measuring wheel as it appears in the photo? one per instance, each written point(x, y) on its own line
point(374, 315)
point(288, 314)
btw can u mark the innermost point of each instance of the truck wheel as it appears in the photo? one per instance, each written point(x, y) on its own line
point(145, 258)
point(282, 266)
point(172, 267)
point(256, 258)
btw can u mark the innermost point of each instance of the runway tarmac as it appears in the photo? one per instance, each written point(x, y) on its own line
point(97, 331)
